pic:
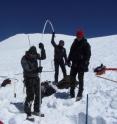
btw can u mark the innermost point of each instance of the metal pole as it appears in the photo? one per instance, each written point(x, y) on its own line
point(29, 40)
point(87, 110)
point(49, 22)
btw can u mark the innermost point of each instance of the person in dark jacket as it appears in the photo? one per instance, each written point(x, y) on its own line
point(60, 57)
point(30, 67)
point(79, 55)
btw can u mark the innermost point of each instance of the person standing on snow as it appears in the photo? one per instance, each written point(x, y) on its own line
point(60, 58)
point(79, 55)
point(30, 67)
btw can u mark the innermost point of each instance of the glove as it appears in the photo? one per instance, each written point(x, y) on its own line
point(53, 34)
point(41, 45)
point(40, 69)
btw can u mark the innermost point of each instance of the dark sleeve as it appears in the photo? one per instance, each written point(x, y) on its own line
point(43, 54)
point(25, 65)
point(71, 51)
point(87, 52)
point(53, 42)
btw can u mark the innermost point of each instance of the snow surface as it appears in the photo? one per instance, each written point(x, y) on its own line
point(59, 108)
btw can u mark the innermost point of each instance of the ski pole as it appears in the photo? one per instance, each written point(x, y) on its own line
point(87, 110)
point(29, 40)
point(47, 71)
point(49, 22)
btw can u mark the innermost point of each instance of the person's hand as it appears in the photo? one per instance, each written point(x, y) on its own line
point(41, 45)
point(53, 34)
point(40, 69)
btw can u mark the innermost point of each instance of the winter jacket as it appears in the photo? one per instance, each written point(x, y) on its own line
point(59, 52)
point(80, 53)
point(30, 65)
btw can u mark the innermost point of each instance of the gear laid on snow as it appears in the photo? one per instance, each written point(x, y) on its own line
point(65, 83)
point(102, 69)
point(47, 89)
point(5, 82)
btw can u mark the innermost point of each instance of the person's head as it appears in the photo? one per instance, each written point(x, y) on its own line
point(61, 43)
point(79, 35)
point(32, 52)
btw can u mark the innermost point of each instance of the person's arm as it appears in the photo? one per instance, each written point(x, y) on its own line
point(26, 66)
point(71, 51)
point(87, 52)
point(43, 53)
point(52, 40)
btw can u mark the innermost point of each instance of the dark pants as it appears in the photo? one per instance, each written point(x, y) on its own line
point(32, 94)
point(73, 74)
point(62, 65)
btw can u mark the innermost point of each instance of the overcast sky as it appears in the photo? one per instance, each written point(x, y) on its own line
point(94, 17)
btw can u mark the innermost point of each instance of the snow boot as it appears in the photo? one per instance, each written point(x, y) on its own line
point(38, 114)
point(30, 118)
point(79, 97)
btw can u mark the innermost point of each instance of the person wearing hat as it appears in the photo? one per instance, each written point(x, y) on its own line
point(79, 55)
point(30, 67)
point(60, 58)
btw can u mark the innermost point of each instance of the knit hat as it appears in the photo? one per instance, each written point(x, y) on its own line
point(80, 34)
point(32, 50)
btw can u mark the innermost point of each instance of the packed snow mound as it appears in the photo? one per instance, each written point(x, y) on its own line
point(59, 108)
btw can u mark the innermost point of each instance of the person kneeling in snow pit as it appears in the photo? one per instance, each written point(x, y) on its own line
point(30, 67)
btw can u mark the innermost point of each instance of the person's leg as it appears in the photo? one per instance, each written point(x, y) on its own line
point(73, 74)
point(29, 96)
point(81, 83)
point(37, 95)
point(56, 64)
point(62, 65)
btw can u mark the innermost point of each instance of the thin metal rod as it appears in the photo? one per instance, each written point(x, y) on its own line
point(87, 110)
point(47, 22)
point(29, 40)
